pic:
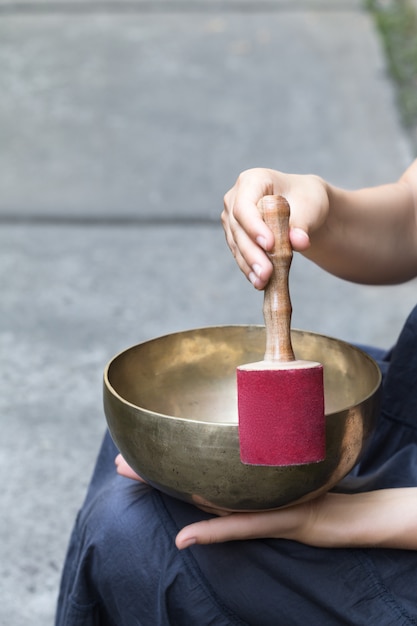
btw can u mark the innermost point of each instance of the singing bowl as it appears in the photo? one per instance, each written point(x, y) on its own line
point(171, 408)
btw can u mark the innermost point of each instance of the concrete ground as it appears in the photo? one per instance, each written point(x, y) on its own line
point(122, 124)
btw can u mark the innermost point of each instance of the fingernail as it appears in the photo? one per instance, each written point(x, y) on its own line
point(253, 278)
point(301, 233)
point(188, 542)
point(261, 241)
point(257, 269)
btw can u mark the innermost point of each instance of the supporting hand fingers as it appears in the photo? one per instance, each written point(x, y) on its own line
point(125, 470)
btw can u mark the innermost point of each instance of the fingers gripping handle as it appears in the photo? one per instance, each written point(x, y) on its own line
point(277, 307)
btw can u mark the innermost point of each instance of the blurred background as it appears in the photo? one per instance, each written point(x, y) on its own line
point(122, 125)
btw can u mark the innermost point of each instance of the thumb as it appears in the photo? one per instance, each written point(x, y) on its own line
point(299, 239)
point(236, 526)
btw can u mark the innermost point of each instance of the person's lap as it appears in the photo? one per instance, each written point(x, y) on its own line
point(123, 567)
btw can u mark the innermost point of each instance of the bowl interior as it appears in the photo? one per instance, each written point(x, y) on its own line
point(192, 375)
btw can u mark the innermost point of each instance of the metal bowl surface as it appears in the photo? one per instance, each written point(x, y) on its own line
point(171, 408)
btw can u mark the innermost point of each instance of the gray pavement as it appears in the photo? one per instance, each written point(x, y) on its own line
point(122, 124)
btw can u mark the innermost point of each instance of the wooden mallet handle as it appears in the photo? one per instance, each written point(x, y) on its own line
point(277, 307)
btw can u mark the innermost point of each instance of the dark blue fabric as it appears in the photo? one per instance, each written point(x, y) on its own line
point(122, 567)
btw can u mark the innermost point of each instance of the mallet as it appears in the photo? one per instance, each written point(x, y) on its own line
point(280, 399)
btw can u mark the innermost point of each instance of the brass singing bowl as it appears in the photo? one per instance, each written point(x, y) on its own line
point(171, 408)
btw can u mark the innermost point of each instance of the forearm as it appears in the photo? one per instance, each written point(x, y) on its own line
point(378, 519)
point(370, 235)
